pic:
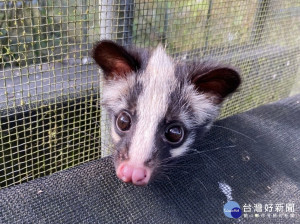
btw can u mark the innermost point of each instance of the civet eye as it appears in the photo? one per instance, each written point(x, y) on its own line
point(174, 133)
point(123, 121)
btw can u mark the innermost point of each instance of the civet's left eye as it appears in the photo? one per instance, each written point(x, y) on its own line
point(123, 121)
point(174, 133)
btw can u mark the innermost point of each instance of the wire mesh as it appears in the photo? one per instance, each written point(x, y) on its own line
point(50, 89)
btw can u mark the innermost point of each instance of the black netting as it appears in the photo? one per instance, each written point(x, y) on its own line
point(254, 154)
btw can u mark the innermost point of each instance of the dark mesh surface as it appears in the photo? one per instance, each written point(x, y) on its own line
point(258, 158)
point(50, 89)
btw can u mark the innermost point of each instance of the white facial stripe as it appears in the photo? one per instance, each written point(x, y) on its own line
point(116, 138)
point(158, 82)
point(115, 92)
point(183, 148)
point(203, 108)
point(185, 117)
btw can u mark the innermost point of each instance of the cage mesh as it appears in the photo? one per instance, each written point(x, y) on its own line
point(50, 89)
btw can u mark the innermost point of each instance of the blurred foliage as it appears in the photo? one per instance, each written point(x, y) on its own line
point(43, 31)
point(188, 25)
point(51, 30)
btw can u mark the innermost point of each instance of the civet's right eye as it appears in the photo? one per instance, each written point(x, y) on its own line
point(123, 121)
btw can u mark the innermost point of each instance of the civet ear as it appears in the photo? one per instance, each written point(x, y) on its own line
point(115, 61)
point(219, 82)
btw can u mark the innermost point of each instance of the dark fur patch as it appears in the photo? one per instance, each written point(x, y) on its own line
point(122, 147)
point(133, 96)
point(161, 147)
point(177, 104)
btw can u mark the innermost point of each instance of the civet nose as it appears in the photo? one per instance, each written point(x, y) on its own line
point(130, 173)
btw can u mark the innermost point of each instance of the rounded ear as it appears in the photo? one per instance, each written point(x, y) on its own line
point(219, 82)
point(114, 60)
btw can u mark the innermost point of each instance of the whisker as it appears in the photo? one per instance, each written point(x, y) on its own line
point(202, 184)
point(165, 166)
point(216, 164)
point(174, 166)
point(161, 175)
point(212, 150)
point(235, 131)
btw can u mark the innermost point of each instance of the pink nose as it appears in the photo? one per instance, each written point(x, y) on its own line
point(136, 175)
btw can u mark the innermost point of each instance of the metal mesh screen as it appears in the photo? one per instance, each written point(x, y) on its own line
point(50, 89)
